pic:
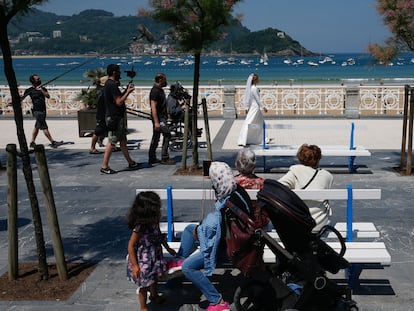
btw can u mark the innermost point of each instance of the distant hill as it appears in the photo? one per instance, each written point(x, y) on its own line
point(98, 31)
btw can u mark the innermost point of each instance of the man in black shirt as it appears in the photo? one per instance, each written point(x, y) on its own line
point(100, 130)
point(38, 95)
point(159, 121)
point(115, 118)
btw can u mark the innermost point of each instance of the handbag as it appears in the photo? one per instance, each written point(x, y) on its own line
point(244, 248)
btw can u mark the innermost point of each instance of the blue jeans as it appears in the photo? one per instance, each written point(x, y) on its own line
point(194, 263)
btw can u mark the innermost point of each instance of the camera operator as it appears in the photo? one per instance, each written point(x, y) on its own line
point(176, 103)
point(38, 95)
point(115, 118)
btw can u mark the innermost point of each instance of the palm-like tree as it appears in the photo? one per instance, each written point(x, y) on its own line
point(9, 9)
point(196, 24)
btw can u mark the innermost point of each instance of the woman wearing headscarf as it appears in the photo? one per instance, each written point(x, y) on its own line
point(251, 132)
point(209, 236)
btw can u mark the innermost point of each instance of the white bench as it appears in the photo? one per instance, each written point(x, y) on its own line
point(360, 255)
point(351, 151)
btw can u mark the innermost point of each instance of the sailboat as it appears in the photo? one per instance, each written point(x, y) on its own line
point(264, 59)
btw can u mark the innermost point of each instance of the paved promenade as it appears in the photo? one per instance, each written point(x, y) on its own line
point(92, 207)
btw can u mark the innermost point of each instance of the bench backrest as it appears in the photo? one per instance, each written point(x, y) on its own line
point(349, 194)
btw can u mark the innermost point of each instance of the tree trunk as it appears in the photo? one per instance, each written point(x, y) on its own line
point(197, 57)
point(27, 169)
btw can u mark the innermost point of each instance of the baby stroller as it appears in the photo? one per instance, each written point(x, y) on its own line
point(298, 280)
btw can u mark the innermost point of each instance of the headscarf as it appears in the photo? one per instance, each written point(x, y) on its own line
point(247, 91)
point(222, 179)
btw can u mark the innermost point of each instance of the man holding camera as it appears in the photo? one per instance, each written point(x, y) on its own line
point(38, 95)
point(159, 115)
point(115, 118)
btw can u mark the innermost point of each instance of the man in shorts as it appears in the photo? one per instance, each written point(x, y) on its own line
point(38, 95)
point(115, 118)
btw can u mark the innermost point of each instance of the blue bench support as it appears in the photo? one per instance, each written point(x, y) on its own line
point(351, 159)
point(170, 214)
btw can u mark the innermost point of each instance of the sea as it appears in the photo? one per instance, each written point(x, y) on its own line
point(346, 68)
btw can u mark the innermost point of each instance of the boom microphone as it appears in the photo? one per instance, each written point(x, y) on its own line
point(146, 33)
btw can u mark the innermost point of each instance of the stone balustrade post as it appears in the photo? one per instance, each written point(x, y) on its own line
point(229, 109)
point(352, 102)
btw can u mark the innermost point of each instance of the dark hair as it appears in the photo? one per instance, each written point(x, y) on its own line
point(158, 77)
point(111, 69)
point(32, 78)
point(309, 155)
point(145, 210)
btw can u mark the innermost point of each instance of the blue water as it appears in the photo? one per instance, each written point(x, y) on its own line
point(70, 70)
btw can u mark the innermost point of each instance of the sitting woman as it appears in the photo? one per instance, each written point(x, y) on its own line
point(308, 175)
point(245, 164)
point(210, 237)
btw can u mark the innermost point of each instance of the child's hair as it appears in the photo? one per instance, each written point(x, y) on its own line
point(145, 210)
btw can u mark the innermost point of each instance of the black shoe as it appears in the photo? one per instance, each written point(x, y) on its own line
point(32, 144)
point(108, 171)
point(154, 161)
point(56, 144)
point(168, 162)
point(133, 166)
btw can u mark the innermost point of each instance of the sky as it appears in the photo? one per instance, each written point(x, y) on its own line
point(321, 26)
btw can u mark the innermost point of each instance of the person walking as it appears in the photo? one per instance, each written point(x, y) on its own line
point(38, 95)
point(100, 130)
point(159, 115)
point(251, 132)
point(115, 118)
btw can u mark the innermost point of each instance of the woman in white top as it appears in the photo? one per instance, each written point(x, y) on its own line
point(251, 132)
point(308, 175)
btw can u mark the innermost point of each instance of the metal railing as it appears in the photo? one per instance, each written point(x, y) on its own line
point(310, 100)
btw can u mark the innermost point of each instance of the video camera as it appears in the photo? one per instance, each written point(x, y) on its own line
point(130, 73)
point(179, 92)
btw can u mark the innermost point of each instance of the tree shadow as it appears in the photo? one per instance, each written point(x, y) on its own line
point(21, 222)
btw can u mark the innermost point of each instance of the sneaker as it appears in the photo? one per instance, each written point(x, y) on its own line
point(219, 307)
point(55, 144)
point(133, 165)
point(154, 161)
point(32, 144)
point(168, 162)
point(108, 171)
point(159, 300)
point(174, 266)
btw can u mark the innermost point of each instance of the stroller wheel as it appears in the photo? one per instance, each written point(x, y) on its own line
point(255, 296)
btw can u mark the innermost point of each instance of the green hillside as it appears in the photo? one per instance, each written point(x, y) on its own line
point(98, 31)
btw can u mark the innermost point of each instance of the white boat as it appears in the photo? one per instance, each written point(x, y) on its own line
point(313, 64)
point(350, 61)
point(264, 60)
point(287, 61)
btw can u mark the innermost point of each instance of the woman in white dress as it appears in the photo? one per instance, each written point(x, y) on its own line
point(251, 132)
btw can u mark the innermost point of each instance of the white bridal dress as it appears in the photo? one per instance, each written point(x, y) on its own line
point(251, 132)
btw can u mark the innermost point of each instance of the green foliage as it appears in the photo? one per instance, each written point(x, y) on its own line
point(89, 96)
point(105, 34)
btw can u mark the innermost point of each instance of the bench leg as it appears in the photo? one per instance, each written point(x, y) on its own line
point(352, 274)
point(351, 166)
